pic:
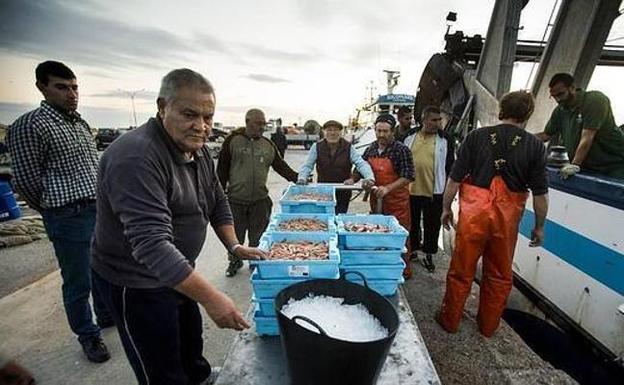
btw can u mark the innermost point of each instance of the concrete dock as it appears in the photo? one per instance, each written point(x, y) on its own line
point(34, 331)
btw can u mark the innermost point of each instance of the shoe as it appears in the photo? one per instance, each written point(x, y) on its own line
point(233, 267)
point(95, 350)
point(106, 323)
point(413, 256)
point(212, 378)
point(427, 263)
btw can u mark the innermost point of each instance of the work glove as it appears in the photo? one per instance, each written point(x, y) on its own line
point(568, 170)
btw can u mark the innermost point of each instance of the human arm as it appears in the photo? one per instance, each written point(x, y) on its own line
point(452, 187)
point(543, 136)
point(227, 236)
point(450, 154)
point(27, 150)
point(540, 207)
point(587, 138)
point(363, 168)
point(222, 222)
point(595, 112)
point(538, 183)
point(281, 167)
point(382, 191)
point(552, 127)
point(135, 187)
point(219, 306)
point(306, 168)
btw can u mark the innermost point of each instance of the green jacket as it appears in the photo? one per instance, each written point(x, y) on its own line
point(592, 110)
point(243, 167)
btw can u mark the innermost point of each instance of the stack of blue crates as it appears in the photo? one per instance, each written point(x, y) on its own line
point(377, 256)
point(270, 277)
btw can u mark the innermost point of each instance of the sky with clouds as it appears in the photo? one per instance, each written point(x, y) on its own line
point(296, 59)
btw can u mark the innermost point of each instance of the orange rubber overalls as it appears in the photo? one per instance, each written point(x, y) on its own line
point(487, 226)
point(396, 203)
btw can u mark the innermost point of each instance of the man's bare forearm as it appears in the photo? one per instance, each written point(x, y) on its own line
point(197, 287)
point(540, 207)
point(544, 137)
point(227, 235)
point(587, 138)
point(450, 191)
point(398, 184)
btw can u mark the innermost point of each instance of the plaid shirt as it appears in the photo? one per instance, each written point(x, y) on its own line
point(53, 157)
point(398, 153)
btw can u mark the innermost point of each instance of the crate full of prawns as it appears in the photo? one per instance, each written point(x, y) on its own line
point(369, 232)
point(302, 223)
point(309, 199)
point(298, 255)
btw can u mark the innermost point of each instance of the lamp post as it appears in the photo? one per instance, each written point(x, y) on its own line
point(132, 95)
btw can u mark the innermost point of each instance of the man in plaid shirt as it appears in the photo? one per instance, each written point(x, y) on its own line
point(393, 168)
point(55, 163)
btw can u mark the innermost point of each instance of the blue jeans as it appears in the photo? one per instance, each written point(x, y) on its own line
point(70, 229)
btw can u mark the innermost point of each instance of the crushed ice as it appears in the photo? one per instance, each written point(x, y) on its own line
point(352, 323)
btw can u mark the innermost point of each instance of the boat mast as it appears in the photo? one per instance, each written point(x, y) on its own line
point(392, 79)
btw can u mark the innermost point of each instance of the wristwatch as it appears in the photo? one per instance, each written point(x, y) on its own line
point(232, 249)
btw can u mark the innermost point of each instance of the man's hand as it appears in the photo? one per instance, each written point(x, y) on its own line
point(367, 184)
point(447, 219)
point(302, 182)
point(222, 310)
point(537, 237)
point(568, 170)
point(250, 253)
point(380, 191)
point(13, 373)
point(349, 182)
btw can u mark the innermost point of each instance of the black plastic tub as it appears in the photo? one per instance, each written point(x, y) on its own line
point(315, 358)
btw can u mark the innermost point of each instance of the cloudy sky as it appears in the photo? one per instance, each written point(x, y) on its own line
point(297, 59)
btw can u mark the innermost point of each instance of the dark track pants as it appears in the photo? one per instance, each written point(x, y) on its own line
point(161, 333)
point(250, 219)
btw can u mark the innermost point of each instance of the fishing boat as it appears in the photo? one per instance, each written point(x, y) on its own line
point(364, 134)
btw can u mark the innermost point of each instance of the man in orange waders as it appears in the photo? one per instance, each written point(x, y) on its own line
point(392, 165)
point(494, 168)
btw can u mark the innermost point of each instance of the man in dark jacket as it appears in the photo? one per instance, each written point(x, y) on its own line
point(433, 154)
point(157, 193)
point(280, 141)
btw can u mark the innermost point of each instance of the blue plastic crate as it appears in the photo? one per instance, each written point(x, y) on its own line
point(394, 240)
point(385, 287)
point(378, 271)
point(278, 269)
point(265, 306)
point(370, 257)
point(268, 288)
point(311, 207)
point(266, 326)
point(276, 219)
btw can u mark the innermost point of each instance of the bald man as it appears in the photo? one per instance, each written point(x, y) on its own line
point(244, 162)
